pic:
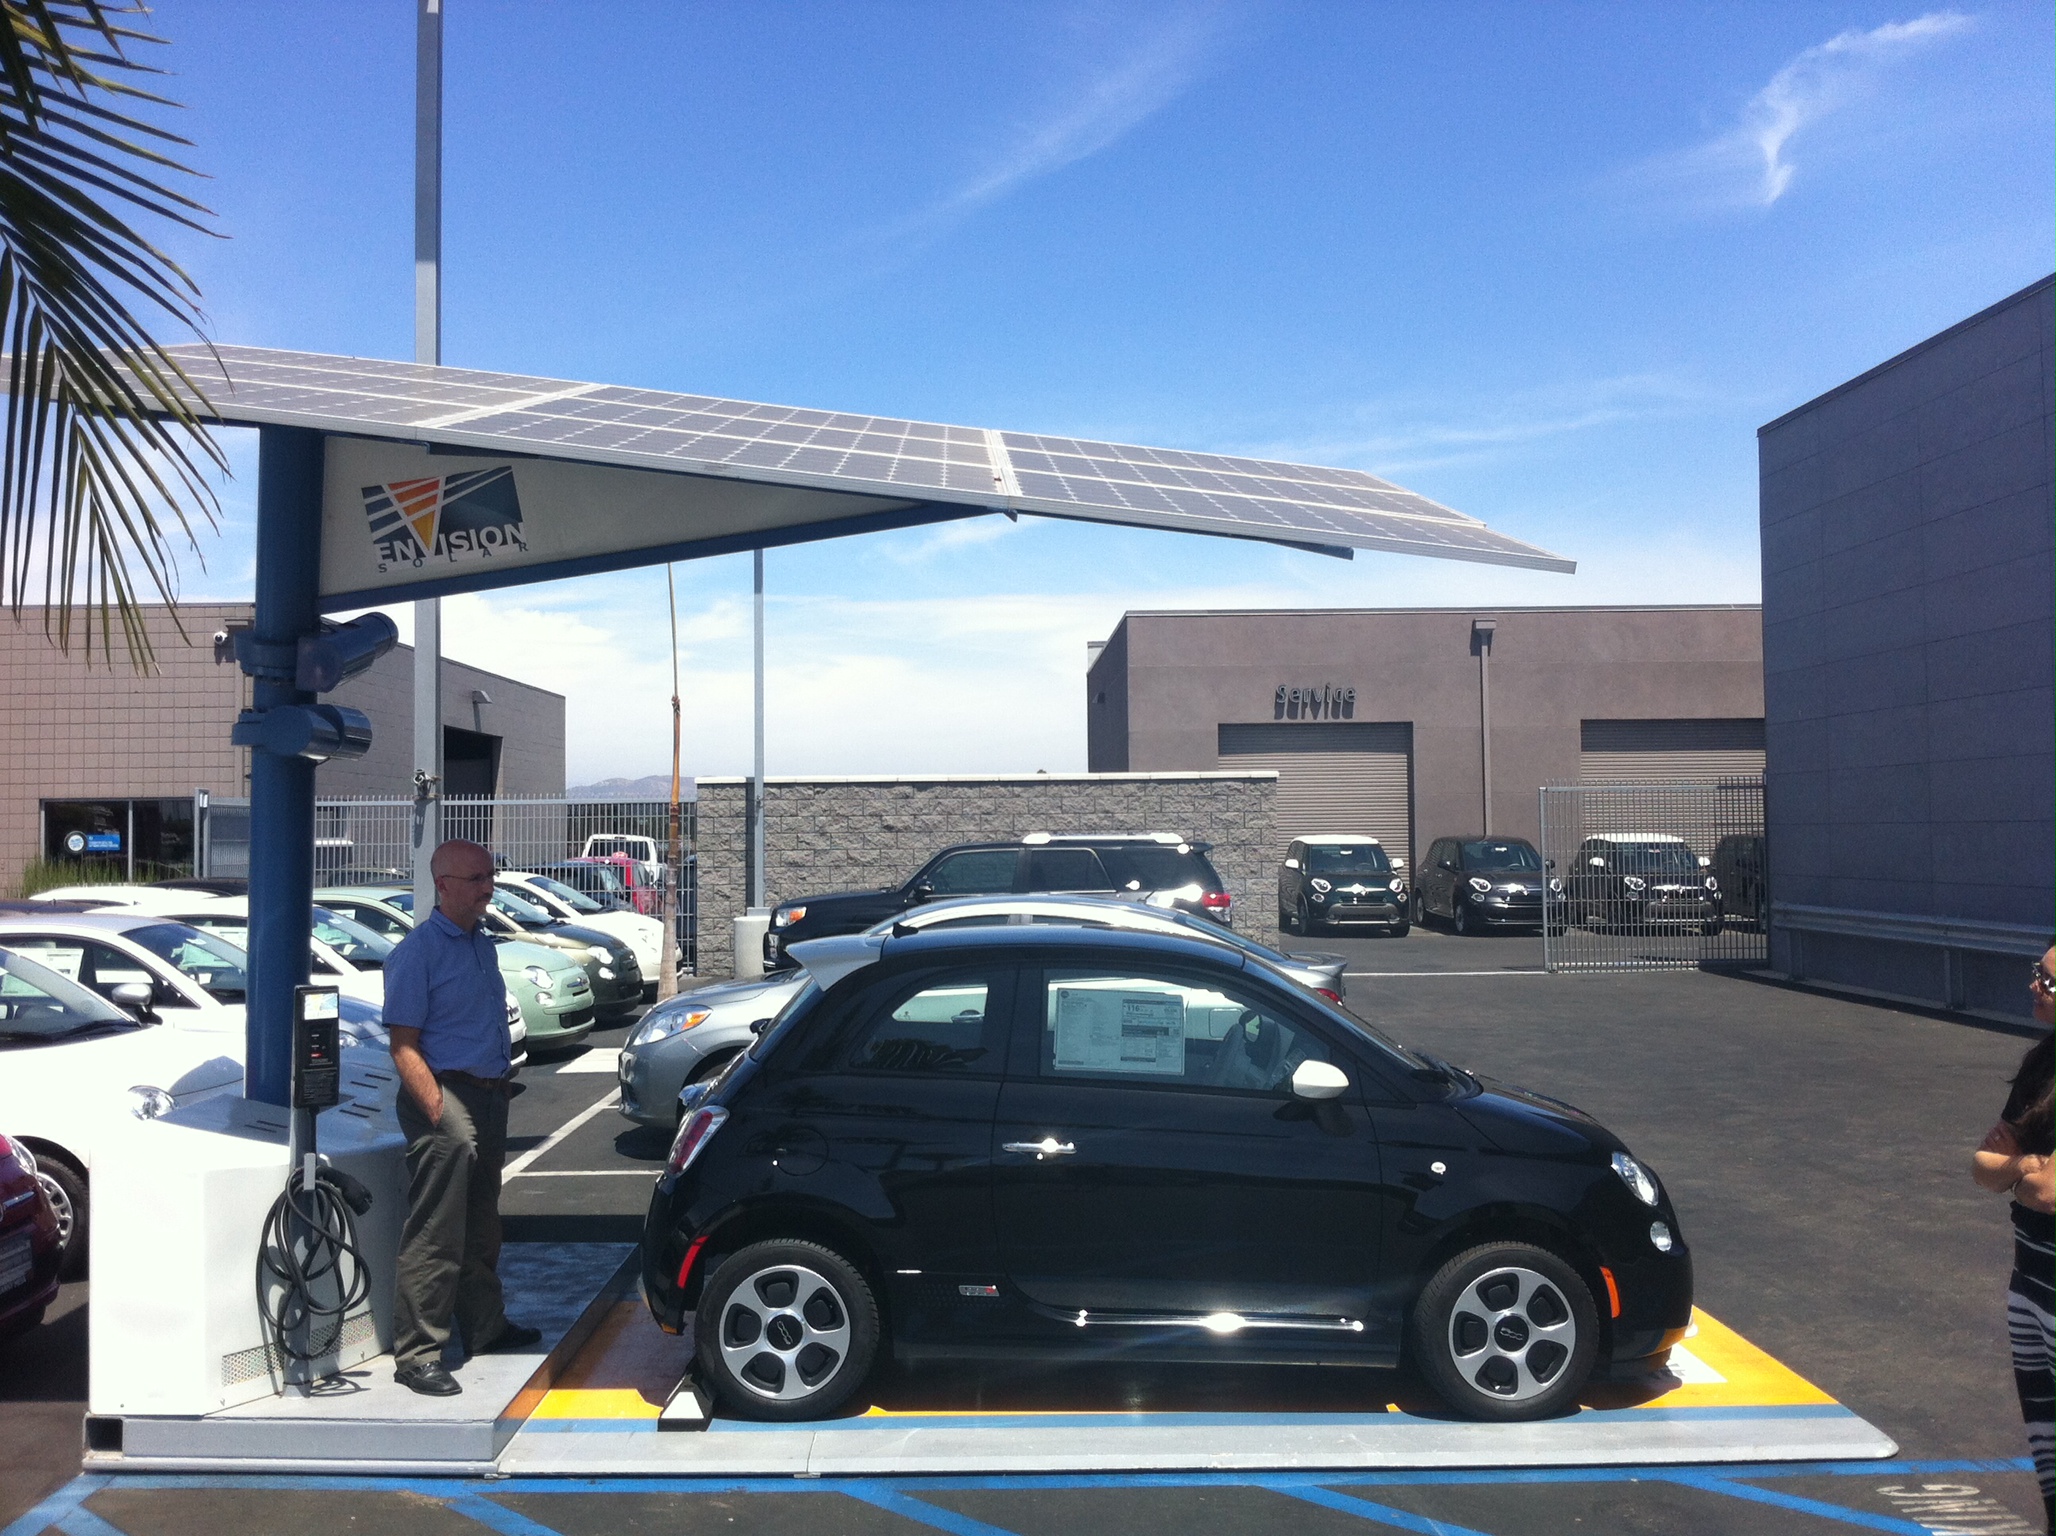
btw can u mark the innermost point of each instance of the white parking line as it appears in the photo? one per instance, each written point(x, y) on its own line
point(585, 1173)
point(519, 1166)
point(595, 1059)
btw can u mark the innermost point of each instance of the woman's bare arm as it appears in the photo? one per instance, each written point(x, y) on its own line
point(1996, 1165)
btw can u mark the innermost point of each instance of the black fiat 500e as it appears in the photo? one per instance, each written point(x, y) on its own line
point(1065, 1144)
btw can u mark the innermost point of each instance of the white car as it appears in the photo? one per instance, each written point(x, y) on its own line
point(343, 954)
point(72, 1062)
point(644, 935)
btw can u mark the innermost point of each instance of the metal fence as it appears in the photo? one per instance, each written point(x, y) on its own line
point(1649, 876)
point(370, 841)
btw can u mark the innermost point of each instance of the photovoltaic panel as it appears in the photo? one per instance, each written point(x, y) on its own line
point(915, 461)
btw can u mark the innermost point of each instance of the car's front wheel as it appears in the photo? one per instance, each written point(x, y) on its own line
point(1462, 918)
point(66, 1188)
point(1401, 929)
point(786, 1330)
point(1505, 1331)
point(1307, 922)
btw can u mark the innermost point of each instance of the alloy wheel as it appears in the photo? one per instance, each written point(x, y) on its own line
point(1511, 1333)
point(60, 1204)
point(785, 1332)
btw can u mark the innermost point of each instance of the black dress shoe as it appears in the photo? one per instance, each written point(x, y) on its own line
point(511, 1337)
point(428, 1378)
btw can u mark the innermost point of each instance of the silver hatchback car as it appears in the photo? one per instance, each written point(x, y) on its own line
point(689, 1038)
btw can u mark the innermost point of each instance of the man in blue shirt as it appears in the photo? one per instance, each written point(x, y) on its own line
point(446, 1010)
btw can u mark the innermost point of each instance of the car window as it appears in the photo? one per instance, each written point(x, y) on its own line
point(519, 910)
point(976, 872)
point(571, 896)
point(99, 968)
point(1347, 859)
point(940, 1028)
point(351, 939)
point(217, 966)
point(1066, 869)
point(377, 919)
point(1157, 867)
point(37, 1004)
point(1509, 855)
point(1161, 1030)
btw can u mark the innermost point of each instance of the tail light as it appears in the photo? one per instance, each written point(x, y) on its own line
point(1333, 997)
point(1217, 901)
point(698, 1130)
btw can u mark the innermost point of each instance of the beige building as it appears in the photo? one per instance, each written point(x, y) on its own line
point(101, 763)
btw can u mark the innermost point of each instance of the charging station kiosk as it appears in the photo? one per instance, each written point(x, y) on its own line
point(384, 482)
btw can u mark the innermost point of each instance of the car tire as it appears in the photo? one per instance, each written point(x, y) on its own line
point(1420, 910)
point(1307, 923)
point(1710, 930)
point(1285, 921)
point(786, 1331)
point(1460, 919)
point(69, 1196)
point(1505, 1332)
point(1401, 929)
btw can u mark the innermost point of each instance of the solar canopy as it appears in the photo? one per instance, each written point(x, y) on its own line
point(444, 480)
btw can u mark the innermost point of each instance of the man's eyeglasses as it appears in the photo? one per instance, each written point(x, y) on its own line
point(469, 879)
point(2042, 980)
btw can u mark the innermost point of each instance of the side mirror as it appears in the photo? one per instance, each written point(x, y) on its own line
point(923, 892)
point(135, 997)
point(1445, 864)
point(1292, 863)
point(1597, 863)
point(758, 1026)
point(1397, 865)
point(1549, 863)
point(1319, 1080)
point(1705, 862)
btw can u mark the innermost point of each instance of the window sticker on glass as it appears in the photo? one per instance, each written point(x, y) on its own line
point(1103, 1030)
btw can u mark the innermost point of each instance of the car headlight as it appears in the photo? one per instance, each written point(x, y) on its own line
point(22, 1155)
point(1395, 885)
point(1479, 885)
point(785, 917)
point(662, 1026)
point(1633, 882)
point(1556, 886)
point(1320, 885)
point(602, 956)
point(1712, 884)
point(606, 973)
point(1640, 1181)
point(147, 1103)
point(536, 977)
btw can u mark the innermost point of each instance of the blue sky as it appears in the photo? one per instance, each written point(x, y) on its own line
point(1549, 265)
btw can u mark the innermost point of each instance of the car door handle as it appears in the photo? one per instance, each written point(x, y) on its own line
point(1049, 1146)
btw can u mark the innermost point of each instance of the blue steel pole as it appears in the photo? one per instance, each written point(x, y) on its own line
point(289, 474)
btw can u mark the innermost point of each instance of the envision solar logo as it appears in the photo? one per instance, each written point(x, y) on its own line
point(472, 515)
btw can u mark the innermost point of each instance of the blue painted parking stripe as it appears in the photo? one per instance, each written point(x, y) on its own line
point(884, 1496)
point(1383, 1514)
point(83, 1522)
point(498, 1517)
point(1792, 1501)
point(65, 1504)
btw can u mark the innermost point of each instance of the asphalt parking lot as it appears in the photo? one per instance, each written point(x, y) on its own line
point(1815, 1146)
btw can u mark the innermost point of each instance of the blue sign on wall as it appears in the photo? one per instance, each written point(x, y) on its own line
point(103, 842)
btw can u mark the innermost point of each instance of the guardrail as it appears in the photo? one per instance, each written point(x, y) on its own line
point(1973, 934)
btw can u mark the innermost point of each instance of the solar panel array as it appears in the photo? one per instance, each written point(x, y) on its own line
point(866, 455)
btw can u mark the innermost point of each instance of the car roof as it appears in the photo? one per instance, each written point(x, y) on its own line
point(122, 921)
point(1329, 839)
point(847, 953)
point(1047, 904)
point(1634, 837)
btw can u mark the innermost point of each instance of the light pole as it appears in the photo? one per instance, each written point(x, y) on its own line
point(428, 348)
point(757, 885)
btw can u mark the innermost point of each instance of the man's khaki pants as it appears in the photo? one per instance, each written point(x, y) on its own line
point(450, 1246)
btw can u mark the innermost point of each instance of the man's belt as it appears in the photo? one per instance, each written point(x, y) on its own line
point(473, 1080)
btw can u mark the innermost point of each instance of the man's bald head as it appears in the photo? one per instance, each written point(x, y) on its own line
point(463, 874)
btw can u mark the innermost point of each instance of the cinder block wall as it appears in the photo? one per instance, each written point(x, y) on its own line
point(858, 833)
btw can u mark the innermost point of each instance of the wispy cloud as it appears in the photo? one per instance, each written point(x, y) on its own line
point(1751, 163)
point(1154, 65)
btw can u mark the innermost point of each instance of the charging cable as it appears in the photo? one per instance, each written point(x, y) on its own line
point(311, 1273)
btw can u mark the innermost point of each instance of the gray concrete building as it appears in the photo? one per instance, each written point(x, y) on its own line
point(1907, 616)
point(1383, 722)
point(110, 758)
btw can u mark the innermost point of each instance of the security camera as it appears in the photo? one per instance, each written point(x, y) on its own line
point(342, 650)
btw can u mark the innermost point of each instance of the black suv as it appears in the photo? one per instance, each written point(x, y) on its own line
point(1738, 866)
point(1065, 1144)
point(1477, 883)
point(1642, 880)
point(1337, 881)
point(1159, 868)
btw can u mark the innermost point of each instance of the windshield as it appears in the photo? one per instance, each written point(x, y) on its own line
point(524, 912)
point(1155, 866)
point(1494, 855)
point(352, 940)
point(211, 962)
point(571, 896)
point(37, 1005)
point(1652, 859)
point(1347, 859)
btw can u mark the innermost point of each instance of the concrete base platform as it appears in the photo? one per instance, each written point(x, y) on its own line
point(363, 1421)
point(1722, 1400)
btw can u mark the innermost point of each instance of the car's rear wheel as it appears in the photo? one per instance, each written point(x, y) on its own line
point(1285, 920)
point(66, 1187)
point(1505, 1331)
point(1420, 910)
point(786, 1330)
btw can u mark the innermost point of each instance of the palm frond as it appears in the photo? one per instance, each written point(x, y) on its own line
point(104, 450)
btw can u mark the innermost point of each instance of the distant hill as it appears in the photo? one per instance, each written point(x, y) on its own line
point(655, 786)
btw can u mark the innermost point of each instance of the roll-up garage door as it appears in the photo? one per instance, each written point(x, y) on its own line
point(1335, 778)
point(1669, 751)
